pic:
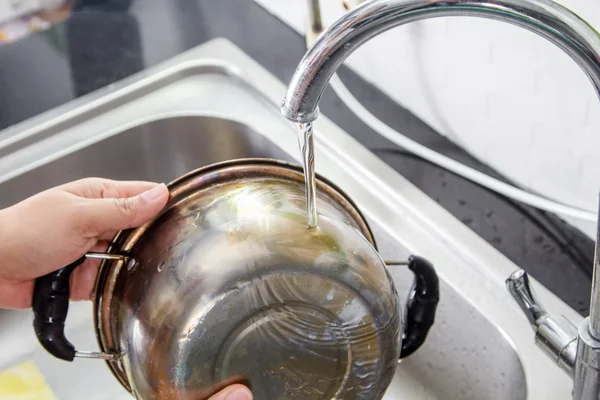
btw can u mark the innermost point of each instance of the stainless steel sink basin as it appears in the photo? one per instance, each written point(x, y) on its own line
point(159, 150)
point(213, 103)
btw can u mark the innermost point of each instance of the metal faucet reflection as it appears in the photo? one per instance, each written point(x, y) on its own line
point(576, 351)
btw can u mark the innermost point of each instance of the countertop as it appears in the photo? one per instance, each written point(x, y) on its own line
point(107, 40)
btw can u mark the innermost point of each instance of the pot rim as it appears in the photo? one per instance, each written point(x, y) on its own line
point(180, 189)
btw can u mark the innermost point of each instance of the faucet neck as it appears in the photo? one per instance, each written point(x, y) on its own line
point(594, 328)
point(544, 17)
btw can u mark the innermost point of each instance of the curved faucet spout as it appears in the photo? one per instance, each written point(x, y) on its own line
point(544, 17)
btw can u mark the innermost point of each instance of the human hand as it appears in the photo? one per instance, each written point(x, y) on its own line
point(56, 227)
point(233, 392)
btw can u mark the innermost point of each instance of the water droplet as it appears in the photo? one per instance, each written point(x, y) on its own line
point(489, 214)
point(330, 295)
point(161, 266)
point(131, 265)
point(462, 203)
point(467, 220)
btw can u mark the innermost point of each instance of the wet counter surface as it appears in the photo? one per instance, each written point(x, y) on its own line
point(100, 45)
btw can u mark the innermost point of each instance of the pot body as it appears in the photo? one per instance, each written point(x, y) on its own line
point(229, 285)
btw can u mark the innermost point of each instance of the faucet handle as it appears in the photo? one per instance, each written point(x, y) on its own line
point(519, 287)
point(557, 337)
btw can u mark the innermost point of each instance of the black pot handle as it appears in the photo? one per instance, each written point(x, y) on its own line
point(420, 306)
point(50, 304)
point(50, 307)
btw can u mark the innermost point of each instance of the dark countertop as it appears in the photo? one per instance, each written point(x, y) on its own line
point(111, 39)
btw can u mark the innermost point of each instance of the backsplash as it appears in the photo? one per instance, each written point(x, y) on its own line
point(511, 98)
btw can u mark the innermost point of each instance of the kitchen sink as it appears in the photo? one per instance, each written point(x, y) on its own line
point(214, 103)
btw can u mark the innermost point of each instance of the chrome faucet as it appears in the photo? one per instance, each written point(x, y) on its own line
point(575, 350)
point(336, 43)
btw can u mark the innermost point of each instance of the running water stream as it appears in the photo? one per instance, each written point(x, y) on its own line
point(307, 148)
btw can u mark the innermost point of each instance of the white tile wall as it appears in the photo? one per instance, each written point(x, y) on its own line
point(510, 97)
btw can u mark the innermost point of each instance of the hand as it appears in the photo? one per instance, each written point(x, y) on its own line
point(233, 392)
point(56, 227)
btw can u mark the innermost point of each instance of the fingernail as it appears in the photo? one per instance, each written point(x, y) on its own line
point(156, 192)
point(239, 394)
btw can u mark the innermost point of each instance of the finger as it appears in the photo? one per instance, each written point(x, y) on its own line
point(100, 188)
point(98, 216)
point(108, 235)
point(233, 392)
point(15, 295)
point(83, 278)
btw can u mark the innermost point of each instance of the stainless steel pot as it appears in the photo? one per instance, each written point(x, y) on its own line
point(229, 285)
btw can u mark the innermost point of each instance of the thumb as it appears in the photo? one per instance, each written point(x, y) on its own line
point(103, 215)
point(233, 392)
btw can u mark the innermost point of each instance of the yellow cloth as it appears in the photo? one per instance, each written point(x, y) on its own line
point(24, 382)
